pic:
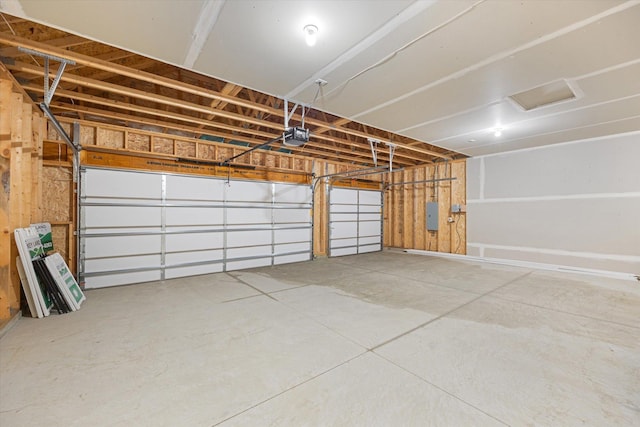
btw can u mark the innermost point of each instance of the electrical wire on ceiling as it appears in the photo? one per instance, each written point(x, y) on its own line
point(393, 54)
point(320, 84)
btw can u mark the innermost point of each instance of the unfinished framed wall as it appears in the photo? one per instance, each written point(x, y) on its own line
point(21, 130)
point(405, 208)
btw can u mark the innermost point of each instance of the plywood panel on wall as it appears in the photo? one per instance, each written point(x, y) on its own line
point(405, 208)
point(58, 207)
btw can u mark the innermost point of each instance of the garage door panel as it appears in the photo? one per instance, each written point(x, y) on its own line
point(370, 217)
point(369, 228)
point(372, 240)
point(292, 236)
point(286, 259)
point(344, 251)
point(121, 184)
point(291, 247)
point(123, 263)
point(249, 263)
point(342, 195)
point(369, 197)
point(121, 216)
point(248, 238)
point(337, 208)
point(291, 215)
point(194, 216)
point(117, 279)
point(113, 246)
point(369, 248)
point(370, 209)
point(193, 241)
point(292, 194)
point(341, 230)
point(246, 191)
point(193, 256)
point(195, 270)
point(342, 243)
point(249, 216)
point(194, 188)
point(344, 217)
point(249, 252)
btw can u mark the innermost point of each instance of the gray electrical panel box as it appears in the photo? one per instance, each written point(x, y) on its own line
point(432, 216)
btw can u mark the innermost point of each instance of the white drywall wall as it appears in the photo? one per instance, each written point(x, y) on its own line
point(575, 204)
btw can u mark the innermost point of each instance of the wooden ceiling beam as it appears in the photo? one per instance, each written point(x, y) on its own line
point(110, 56)
point(62, 42)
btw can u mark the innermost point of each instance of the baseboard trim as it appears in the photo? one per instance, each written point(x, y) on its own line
point(528, 264)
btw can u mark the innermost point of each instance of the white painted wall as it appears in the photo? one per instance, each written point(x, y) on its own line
point(574, 204)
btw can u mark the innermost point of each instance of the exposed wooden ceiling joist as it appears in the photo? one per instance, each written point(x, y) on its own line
point(119, 86)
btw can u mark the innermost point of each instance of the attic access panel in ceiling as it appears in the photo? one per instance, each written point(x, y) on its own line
point(545, 95)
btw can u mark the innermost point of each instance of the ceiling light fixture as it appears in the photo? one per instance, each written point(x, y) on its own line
point(497, 132)
point(310, 34)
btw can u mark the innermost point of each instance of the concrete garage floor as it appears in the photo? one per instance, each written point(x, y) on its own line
point(382, 339)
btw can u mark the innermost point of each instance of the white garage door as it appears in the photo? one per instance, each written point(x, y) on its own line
point(139, 226)
point(355, 221)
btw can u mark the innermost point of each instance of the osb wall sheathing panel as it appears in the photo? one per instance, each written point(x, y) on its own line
point(405, 208)
point(57, 185)
point(206, 152)
point(186, 149)
point(138, 142)
point(87, 135)
point(53, 134)
point(159, 145)
point(110, 138)
point(60, 236)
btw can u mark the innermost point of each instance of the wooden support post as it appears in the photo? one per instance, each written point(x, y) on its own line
point(459, 196)
point(320, 213)
point(444, 208)
point(6, 232)
point(407, 211)
point(420, 220)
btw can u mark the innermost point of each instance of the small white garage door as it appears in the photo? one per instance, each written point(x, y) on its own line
point(140, 226)
point(355, 221)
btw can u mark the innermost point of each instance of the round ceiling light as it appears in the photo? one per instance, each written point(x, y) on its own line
point(310, 34)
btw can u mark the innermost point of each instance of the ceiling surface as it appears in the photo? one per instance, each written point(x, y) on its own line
point(438, 73)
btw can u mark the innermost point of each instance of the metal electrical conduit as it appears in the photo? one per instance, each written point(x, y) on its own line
point(386, 187)
point(350, 174)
